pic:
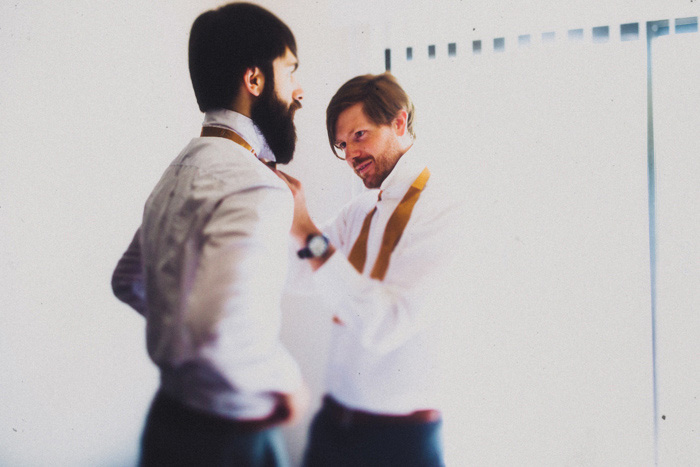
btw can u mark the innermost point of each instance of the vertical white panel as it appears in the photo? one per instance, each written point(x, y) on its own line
point(549, 147)
point(95, 102)
point(676, 66)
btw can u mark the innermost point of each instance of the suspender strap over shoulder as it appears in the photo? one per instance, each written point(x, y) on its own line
point(392, 233)
point(228, 134)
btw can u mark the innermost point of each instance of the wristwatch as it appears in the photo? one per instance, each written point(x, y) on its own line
point(316, 246)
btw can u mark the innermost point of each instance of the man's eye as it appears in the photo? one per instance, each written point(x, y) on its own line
point(340, 146)
point(360, 134)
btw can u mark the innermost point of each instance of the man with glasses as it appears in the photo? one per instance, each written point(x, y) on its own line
point(379, 265)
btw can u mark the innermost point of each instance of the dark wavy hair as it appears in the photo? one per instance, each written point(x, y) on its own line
point(226, 41)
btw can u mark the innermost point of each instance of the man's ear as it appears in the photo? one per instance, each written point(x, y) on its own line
point(400, 123)
point(254, 81)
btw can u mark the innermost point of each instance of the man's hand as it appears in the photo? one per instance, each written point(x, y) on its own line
point(302, 225)
point(297, 404)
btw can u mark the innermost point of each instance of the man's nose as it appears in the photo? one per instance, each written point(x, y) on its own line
point(298, 94)
point(351, 151)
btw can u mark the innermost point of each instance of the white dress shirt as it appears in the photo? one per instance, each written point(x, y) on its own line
point(213, 246)
point(385, 348)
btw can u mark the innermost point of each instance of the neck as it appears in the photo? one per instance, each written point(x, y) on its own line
point(404, 146)
point(243, 104)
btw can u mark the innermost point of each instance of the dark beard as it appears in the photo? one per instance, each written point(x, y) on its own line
point(276, 123)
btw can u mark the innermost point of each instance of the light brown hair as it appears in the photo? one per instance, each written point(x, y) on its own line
point(382, 99)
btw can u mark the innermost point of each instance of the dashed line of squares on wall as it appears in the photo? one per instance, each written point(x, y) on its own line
point(599, 34)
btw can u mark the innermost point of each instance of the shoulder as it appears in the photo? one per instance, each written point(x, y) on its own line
point(441, 204)
point(360, 205)
point(229, 165)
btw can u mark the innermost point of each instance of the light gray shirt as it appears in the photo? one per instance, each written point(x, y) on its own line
point(213, 247)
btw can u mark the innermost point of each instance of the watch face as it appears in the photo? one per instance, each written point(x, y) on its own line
point(318, 245)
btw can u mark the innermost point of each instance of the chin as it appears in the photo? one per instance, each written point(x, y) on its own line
point(369, 184)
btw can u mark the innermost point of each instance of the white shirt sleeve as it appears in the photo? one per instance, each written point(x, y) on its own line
point(234, 306)
point(387, 313)
point(127, 278)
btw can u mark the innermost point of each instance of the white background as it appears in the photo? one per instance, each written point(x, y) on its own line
point(557, 368)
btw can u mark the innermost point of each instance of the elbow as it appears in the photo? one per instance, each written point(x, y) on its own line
point(129, 292)
point(121, 285)
point(116, 284)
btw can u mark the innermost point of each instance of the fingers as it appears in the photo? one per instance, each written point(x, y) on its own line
point(286, 176)
point(281, 174)
point(291, 181)
point(295, 404)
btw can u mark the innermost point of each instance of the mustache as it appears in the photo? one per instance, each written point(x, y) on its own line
point(294, 106)
point(358, 162)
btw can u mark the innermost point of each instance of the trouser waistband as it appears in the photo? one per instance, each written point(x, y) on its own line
point(349, 417)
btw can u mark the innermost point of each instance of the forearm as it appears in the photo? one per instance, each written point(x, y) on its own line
point(302, 225)
point(303, 235)
point(127, 278)
point(387, 312)
point(383, 315)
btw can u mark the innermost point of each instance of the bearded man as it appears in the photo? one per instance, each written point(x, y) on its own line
point(207, 265)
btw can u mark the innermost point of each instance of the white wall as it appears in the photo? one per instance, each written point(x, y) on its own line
point(558, 266)
point(677, 118)
point(96, 100)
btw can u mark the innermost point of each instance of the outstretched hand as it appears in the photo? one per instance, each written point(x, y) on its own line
point(302, 225)
point(297, 404)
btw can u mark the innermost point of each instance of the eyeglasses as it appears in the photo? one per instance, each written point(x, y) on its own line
point(341, 151)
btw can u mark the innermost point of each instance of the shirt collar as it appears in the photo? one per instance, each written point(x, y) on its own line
point(404, 173)
point(244, 126)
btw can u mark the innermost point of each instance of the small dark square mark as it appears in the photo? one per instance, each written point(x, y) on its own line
point(575, 34)
point(629, 31)
point(549, 37)
point(601, 34)
point(499, 44)
point(686, 25)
